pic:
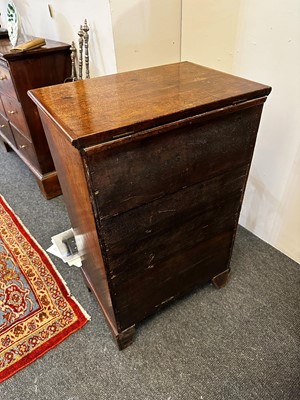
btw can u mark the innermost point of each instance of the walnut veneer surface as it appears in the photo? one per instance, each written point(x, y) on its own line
point(20, 125)
point(153, 166)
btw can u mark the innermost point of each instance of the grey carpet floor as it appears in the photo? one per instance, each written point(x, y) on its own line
point(240, 342)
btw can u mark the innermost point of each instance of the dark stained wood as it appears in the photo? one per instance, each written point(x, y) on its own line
point(14, 112)
point(220, 280)
point(125, 338)
point(25, 147)
point(51, 46)
point(6, 130)
point(166, 163)
point(146, 293)
point(185, 214)
point(2, 111)
point(7, 85)
point(20, 72)
point(153, 166)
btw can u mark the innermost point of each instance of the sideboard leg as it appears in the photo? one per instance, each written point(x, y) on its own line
point(221, 279)
point(125, 338)
point(49, 185)
point(6, 146)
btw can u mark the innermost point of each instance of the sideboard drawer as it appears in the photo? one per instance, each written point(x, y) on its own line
point(14, 112)
point(2, 111)
point(25, 147)
point(6, 83)
point(5, 129)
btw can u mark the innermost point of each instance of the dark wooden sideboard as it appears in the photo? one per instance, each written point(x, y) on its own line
point(20, 125)
point(153, 166)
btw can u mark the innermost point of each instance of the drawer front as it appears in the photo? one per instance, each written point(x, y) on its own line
point(128, 176)
point(164, 248)
point(5, 130)
point(14, 112)
point(142, 295)
point(169, 225)
point(6, 84)
point(25, 148)
point(2, 111)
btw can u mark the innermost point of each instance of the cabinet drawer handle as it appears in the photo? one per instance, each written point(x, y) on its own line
point(22, 146)
point(3, 77)
point(12, 112)
point(3, 126)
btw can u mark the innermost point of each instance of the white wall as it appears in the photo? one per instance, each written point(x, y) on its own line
point(146, 32)
point(209, 32)
point(269, 51)
point(68, 15)
point(259, 40)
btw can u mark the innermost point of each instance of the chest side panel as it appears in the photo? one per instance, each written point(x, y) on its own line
point(72, 178)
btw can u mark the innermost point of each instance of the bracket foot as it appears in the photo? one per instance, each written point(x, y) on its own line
point(220, 280)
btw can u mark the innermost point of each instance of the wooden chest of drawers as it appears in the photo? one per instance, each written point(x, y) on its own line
point(20, 125)
point(153, 165)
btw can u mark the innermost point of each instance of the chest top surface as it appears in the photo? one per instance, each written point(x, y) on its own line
point(135, 100)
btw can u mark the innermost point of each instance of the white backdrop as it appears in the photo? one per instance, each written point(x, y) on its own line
point(68, 15)
point(259, 40)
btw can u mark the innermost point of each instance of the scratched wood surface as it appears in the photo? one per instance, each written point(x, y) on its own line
point(146, 293)
point(163, 199)
point(138, 172)
point(153, 166)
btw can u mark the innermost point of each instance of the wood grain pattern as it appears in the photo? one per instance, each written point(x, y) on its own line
point(5, 129)
point(25, 147)
point(191, 213)
point(51, 46)
point(6, 82)
point(95, 110)
point(146, 293)
point(162, 164)
point(14, 112)
point(20, 72)
point(73, 182)
point(153, 165)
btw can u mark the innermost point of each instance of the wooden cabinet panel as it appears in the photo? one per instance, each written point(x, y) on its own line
point(180, 219)
point(153, 180)
point(6, 131)
point(14, 112)
point(161, 164)
point(2, 111)
point(136, 297)
point(6, 84)
point(25, 147)
point(20, 72)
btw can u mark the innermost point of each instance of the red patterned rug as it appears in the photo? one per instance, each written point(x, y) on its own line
point(36, 309)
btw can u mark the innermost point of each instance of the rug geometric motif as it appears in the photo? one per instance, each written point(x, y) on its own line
point(36, 309)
